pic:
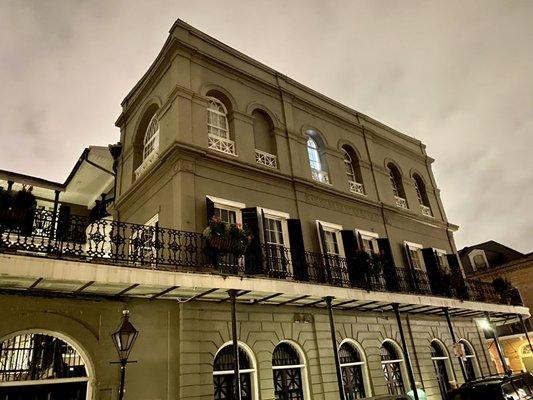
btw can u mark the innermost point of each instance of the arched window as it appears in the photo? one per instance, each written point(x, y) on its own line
point(470, 361)
point(223, 373)
point(151, 139)
point(352, 372)
point(287, 370)
point(316, 154)
point(397, 185)
point(442, 365)
point(391, 363)
point(353, 170)
point(44, 366)
point(422, 195)
point(218, 133)
point(265, 140)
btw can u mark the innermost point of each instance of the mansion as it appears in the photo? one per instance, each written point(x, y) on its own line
point(267, 241)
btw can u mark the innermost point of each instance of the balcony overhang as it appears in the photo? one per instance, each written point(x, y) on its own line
point(32, 275)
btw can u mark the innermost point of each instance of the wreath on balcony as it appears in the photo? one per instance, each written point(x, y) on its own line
point(369, 264)
point(224, 237)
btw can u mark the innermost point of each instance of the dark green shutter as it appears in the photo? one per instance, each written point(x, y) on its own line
point(433, 271)
point(350, 243)
point(458, 281)
point(296, 240)
point(63, 220)
point(210, 209)
point(253, 256)
point(389, 269)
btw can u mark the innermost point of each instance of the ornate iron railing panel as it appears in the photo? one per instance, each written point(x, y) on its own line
point(153, 247)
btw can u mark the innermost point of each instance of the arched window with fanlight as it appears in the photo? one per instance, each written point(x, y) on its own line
point(353, 371)
point(288, 372)
point(442, 366)
point(224, 370)
point(422, 195)
point(470, 361)
point(317, 157)
point(218, 132)
point(265, 139)
point(353, 170)
point(146, 141)
point(397, 185)
point(392, 365)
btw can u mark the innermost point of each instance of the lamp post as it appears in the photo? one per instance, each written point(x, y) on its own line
point(124, 339)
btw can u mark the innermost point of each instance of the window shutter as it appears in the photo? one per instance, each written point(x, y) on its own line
point(458, 282)
point(322, 238)
point(351, 246)
point(210, 208)
point(408, 256)
point(63, 222)
point(433, 270)
point(359, 240)
point(253, 256)
point(389, 269)
point(264, 226)
point(297, 248)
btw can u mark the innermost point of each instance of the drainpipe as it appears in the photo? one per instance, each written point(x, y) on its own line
point(335, 349)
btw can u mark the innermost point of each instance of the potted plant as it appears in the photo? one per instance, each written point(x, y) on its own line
point(504, 289)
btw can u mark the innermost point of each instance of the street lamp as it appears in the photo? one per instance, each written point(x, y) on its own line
point(124, 339)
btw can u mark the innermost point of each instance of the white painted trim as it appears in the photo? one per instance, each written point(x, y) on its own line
point(413, 245)
point(274, 213)
point(89, 366)
point(288, 366)
point(152, 221)
point(330, 226)
point(44, 382)
point(403, 367)
point(474, 253)
point(440, 251)
point(372, 235)
point(226, 203)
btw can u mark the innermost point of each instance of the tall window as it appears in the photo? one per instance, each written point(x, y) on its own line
point(352, 372)
point(223, 373)
point(470, 361)
point(353, 172)
point(265, 141)
point(441, 363)
point(151, 138)
point(217, 120)
point(421, 195)
point(397, 186)
point(315, 152)
point(414, 255)
point(391, 363)
point(287, 370)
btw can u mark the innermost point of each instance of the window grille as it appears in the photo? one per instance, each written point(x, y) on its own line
point(223, 374)
point(287, 373)
point(391, 365)
point(37, 356)
point(352, 372)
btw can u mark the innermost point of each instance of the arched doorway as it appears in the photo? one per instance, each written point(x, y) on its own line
point(42, 366)
point(441, 363)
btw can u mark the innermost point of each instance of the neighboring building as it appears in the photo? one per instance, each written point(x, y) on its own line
point(492, 260)
point(345, 286)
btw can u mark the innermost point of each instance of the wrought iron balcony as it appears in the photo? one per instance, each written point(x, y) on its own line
point(152, 247)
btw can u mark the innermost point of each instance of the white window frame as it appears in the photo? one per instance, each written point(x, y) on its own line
point(371, 236)
point(280, 216)
point(224, 130)
point(303, 366)
point(445, 254)
point(474, 253)
point(229, 205)
point(418, 248)
point(330, 227)
point(363, 363)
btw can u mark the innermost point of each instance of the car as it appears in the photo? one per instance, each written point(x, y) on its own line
point(507, 387)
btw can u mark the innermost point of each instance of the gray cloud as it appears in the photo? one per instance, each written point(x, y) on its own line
point(455, 74)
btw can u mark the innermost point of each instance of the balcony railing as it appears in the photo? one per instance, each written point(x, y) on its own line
point(320, 176)
point(266, 159)
point(400, 202)
point(426, 210)
point(221, 144)
point(356, 187)
point(152, 247)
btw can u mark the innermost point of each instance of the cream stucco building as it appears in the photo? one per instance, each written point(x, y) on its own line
point(349, 288)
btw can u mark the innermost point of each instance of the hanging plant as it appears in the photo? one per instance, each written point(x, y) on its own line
point(17, 209)
point(224, 237)
point(504, 288)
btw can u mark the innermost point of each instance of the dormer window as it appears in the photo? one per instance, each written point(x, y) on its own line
point(316, 154)
point(478, 260)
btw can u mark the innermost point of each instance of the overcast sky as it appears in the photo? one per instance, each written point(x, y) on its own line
point(456, 74)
